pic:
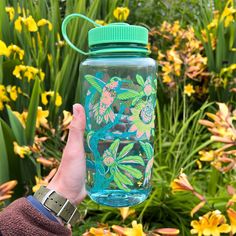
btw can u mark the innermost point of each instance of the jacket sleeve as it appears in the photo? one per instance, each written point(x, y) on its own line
point(21, 218)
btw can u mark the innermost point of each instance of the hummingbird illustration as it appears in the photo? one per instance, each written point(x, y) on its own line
point(110, 92)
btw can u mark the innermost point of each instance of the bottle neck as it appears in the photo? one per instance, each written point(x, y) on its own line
point(118, 49)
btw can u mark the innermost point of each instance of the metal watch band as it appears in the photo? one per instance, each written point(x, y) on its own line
point(59, 205)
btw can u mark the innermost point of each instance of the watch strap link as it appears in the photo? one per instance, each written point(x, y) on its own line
point(59, 205)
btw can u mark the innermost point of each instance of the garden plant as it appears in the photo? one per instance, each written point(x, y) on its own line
point(194, 44)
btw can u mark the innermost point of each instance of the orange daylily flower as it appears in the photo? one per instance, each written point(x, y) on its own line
point(232, 217)
point(125, 212)
point(136, 230)
point(167, 231)
point(181, 184)
point(6, 190)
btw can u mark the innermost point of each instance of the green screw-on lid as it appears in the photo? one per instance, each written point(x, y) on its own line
point(118, 33)
point(112, 33)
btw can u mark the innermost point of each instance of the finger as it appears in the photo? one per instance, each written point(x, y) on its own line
point(76, 133)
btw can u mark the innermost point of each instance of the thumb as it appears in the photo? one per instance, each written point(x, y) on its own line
point(77, 127)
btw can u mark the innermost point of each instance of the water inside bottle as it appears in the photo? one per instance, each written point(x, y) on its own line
point(118, 172)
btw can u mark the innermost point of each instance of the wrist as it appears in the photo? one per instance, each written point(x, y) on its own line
point(59, 187)
point(58, 205)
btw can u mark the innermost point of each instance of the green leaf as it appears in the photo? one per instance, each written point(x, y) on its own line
point(132, 160)
point(4, 167)
point(119, 184)
point(128, 94)
point(232, 35)
point(16, 127)
point(14, 162)
point(96, 83)
point(136, 100)
point(220, 47)
point(32, 113)
point(148, 149)
point(140, 80)
point(132, 171)
point(126, 150)
point(123, 178)
point(114, 147)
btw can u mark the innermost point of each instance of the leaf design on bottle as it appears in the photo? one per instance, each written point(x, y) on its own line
point(119, 165)
point(148, 149)
point(132, 171)
point(132, 160)
point(126, 150)
point(127, 94)
point(140, 80)
point(95, 82)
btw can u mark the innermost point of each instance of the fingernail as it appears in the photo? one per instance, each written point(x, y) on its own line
point(75, 110)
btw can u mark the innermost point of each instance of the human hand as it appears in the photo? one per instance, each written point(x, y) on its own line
point(69, 180)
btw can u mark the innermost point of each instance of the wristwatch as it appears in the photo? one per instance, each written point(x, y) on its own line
point(57, 204)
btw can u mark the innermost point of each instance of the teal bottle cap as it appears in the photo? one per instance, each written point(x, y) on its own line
point(118, 33)
point(109, 34)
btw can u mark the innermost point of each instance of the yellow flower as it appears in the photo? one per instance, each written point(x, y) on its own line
point(44, 182)
point(67, 118)
point(213, 223)
point(17, 24)
point(17, 71)
point(6, 189)
point(136, 230)
point(39, 182)
point(44, 98)
point(227, 15)
point(21, 117)
point(160, 55)
point(166, 79)
point(213, 24)
point(49, 58)
point(29, 22)
point(43, 22)
point(11, 12)
point(175, 28)
point(41, 117)
point(189, 90)
point(4, 51)
point(13, 92)
point(121, 13)
point(207, 155)
point(3, 96)
point(60, 42)
point(21, 151)
point(28, 71)
point(229, 69)
point(232, 217)
point(58, 98)
point(181, 184)
point(16, 49)
point(41, 75)
point(125, 212)
point(101, 231)
point(29, 75)
point(101, 22)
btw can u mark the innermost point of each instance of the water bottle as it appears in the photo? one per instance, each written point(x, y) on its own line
point(118, 92)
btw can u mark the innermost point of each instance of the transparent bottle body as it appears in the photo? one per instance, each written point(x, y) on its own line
point(119, 96)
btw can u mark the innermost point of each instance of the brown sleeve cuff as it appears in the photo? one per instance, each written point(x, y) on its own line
point(21, 218)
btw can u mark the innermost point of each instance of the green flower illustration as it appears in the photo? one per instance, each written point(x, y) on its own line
point(143, 119)
point(118, 165)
